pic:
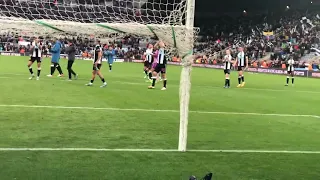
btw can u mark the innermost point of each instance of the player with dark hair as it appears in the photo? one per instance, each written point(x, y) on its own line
point(227, 66)
point(71, 51)
point(242, 64)
point(97, 65)
point(290, 71)
point(160, 67)
point(36, 55)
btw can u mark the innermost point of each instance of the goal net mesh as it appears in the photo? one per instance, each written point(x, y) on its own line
point(163, 19)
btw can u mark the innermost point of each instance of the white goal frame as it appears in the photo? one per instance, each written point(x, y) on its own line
point(185, 84)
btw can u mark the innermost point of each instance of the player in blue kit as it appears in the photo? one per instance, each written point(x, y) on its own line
point(109, 55)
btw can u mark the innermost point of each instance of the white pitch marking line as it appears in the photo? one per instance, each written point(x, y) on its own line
point(211, 87)
point(161, 150)
point(256, 151)
point(160, 110)
point(88, 149)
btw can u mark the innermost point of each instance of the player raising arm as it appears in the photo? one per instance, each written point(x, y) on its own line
point(227, 60)
point(35, 56)
point(97, 66)
point(160, 67)
point(242, 64)
point(290, 71)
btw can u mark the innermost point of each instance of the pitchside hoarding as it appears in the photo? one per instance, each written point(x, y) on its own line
point(301, 73)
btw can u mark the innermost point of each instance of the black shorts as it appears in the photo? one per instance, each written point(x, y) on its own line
point(33, 59)
point(160, 68)
point(96, 68)
point(227, 71)
point(290, 72)
point(147, 64)
point(240, 68)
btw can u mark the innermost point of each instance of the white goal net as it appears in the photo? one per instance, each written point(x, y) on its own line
point(167, 20)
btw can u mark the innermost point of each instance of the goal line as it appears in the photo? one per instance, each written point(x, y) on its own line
point(156, 110)
point(161, 150)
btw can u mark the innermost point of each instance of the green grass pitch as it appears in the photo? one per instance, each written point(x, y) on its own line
point(275, 126)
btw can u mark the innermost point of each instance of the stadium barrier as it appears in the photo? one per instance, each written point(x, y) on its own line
point(301, 73)
point(6, 53)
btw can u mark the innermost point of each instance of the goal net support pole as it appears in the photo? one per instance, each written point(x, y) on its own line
point(185, 80)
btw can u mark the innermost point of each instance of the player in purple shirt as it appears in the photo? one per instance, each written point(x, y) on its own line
point(160, 67)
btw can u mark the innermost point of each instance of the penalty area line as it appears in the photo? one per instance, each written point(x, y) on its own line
point(161, 150)
point(161, 110)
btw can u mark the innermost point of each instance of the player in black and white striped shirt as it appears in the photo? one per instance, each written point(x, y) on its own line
point(242, 64)
point(290, 70)
point(97, 63)
point(36, 55)
point(148, 61)
point(227, 60)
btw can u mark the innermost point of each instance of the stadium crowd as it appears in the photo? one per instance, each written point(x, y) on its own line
point(268, 43)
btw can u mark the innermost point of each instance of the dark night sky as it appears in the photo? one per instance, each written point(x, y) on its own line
point(249, 5)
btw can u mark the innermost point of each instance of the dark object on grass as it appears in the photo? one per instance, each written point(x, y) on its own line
point(207, 177)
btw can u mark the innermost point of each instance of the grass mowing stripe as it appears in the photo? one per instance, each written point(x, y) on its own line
point(161, 150)
point(159, 110)
point(209, 87)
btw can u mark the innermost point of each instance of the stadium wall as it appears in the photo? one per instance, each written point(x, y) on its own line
point(301, 73)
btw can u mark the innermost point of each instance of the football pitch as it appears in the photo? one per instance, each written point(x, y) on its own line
point(56, 129)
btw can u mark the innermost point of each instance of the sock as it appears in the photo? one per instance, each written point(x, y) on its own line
point(59, 68)
point(91, 81)
point(102, 79)
point(239, 79)
point(287, 79)
point(165, 83)
point(146, 72)
point(242, 78)
point(110, 67)
point(226, 82)
point(30, 70)
point(39, 71)
point(53, 68)
point(154, 81)
point(150, 75)
point(292, 80)
point(69, 73)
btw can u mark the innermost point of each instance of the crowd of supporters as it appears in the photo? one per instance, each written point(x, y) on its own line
point(269, 40)
point(127, 47)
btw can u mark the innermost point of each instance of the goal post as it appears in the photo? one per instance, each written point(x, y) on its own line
point(169, 20)
point(185, 80)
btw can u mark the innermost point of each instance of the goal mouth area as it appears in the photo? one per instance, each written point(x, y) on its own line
point(176, 37)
